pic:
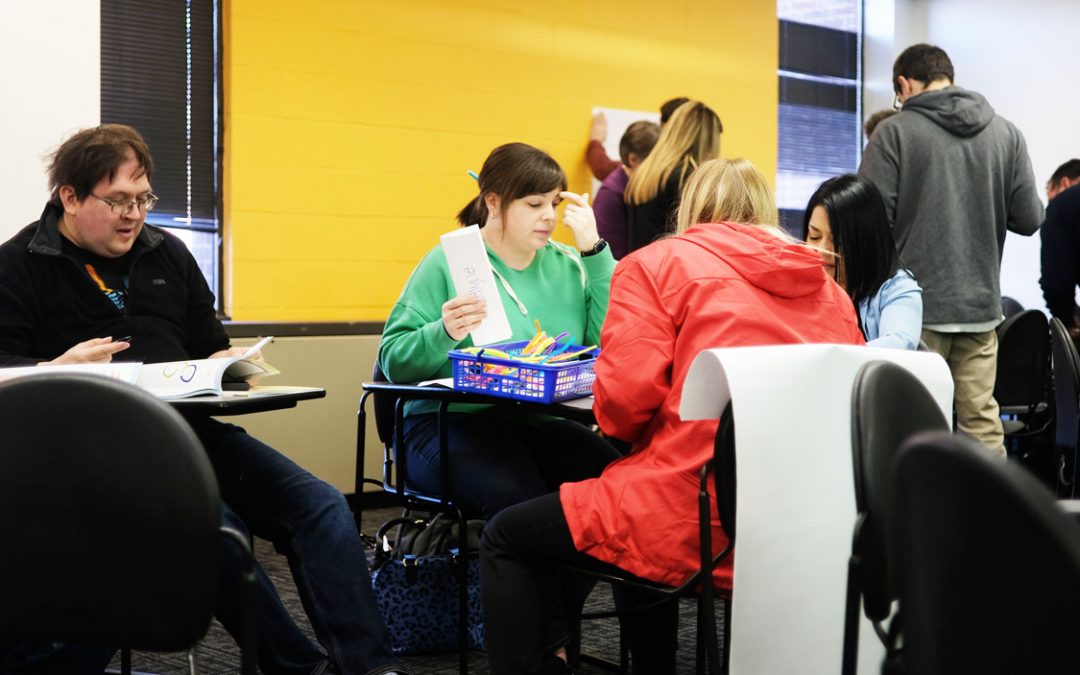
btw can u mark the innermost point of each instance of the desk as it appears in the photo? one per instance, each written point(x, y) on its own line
point(257, 399)
point(388, 423)
point(578, 409)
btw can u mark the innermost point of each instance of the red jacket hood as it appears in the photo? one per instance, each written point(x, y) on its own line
point(765, 257)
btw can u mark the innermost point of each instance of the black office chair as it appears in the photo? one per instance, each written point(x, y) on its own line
point(110, 515)
point(1066, 369)
point(389, 417)
point(988, 566)
point(1010, 306)
point(1023, 366)
point(888, 406)
point(722, 468)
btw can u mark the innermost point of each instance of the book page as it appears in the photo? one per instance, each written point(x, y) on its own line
point(180, 379)
point(245, 369)
point(471, 272)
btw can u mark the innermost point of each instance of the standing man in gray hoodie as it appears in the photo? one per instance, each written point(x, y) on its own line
point(955, 176)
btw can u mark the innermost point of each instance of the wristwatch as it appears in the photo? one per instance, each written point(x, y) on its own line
point(600, 245)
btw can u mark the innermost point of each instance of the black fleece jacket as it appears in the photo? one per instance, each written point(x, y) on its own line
point(1061, 254)
point(48, 303)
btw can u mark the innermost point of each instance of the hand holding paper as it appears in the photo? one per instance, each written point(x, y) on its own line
point(463, 314)
point(470, 270)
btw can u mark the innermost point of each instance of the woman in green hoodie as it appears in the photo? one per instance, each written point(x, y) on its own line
point(499, 459)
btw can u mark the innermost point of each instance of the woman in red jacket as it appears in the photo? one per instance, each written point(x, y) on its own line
point(729, 277)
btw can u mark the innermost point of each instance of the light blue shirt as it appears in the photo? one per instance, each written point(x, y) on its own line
point(893, 317)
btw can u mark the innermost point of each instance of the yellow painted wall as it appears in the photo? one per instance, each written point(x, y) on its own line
point(349, 124)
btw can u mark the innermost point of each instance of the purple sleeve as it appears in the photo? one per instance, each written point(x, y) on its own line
point(610, 212)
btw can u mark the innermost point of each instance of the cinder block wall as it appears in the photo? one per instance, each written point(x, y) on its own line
point(350, 124)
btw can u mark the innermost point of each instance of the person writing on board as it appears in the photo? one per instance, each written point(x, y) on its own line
point(499, 459)
point(92, 269)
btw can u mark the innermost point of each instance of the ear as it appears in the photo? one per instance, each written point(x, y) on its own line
point(904, 85)
point(68, 199)
point(491, 201)
point(634, 160)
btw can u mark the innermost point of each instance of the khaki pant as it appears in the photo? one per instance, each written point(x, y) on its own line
point(972, 359)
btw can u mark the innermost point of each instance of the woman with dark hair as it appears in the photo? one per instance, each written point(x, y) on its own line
point(846, 220)
point(500, 459)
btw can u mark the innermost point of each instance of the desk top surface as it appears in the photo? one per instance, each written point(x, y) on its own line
point(578, 408)
point(256, 399)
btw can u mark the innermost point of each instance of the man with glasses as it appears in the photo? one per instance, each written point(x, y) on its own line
point(91, 270)
point(955, 175)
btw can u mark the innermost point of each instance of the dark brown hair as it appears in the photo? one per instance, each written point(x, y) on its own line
point(91, 154)
point(922, 62)
point(1070, 170)
point(639, 139)
point(670, 106)
point(877, 118)
point(510, 172)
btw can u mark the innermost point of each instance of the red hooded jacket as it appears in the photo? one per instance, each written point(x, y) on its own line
point(716, 285)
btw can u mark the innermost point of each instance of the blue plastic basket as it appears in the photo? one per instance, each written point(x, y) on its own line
point(544, 383)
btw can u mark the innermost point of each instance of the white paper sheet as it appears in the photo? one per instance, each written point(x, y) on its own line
point(617, 122)
point(471, 272)
point(795, 502)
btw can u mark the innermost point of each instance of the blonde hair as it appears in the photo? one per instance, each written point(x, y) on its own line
point(690, 137)
point(727, 190)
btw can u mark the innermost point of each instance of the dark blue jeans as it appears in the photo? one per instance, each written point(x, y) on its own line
point(531, 607)
point(499, 458)
point(309, 522)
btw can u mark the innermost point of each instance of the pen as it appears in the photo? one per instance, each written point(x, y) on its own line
point(126, 338)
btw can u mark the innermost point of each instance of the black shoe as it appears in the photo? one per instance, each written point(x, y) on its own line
point(553, 665)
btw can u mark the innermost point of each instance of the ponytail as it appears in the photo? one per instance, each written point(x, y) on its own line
point(474, 213)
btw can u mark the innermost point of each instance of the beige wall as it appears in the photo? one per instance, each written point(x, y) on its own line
point(320, 435)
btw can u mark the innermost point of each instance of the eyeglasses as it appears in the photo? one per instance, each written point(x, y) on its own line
point(121, 207)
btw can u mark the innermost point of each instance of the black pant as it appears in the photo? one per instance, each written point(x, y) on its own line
point(531, 608)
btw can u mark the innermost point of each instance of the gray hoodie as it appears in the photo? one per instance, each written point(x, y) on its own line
point(954, 176)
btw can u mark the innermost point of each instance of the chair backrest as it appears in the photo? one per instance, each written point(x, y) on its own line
point(1010, 306)
point(987, 564)
point(1066, 368)
point(1023, 365)
point(109, 514)
point(384, 408)
point(724, 471)
point(889, 405)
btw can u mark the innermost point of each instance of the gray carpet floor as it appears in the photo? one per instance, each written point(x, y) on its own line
point(218, 654)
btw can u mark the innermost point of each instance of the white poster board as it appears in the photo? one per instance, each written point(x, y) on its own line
point(795, 502)
point(618, 120)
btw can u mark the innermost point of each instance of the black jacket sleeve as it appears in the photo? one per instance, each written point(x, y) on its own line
point(1060, 255)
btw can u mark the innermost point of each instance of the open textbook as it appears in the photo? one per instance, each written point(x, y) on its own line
point(171, 379)
point(204, 377)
